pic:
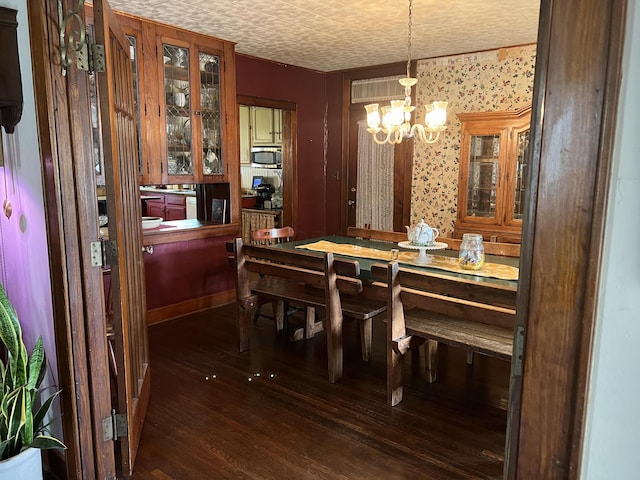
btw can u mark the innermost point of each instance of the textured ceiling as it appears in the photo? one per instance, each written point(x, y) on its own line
point(328, 35)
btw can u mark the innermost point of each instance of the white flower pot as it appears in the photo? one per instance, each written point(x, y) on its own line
point(26, 466)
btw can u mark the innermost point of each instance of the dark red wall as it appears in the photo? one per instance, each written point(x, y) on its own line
point(307, 89)
point(180, 271)
point(334, 153)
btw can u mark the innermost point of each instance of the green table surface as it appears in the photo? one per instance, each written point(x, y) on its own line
point(365, 263)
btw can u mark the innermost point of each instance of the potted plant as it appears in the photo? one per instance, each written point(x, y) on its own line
point(22, 429)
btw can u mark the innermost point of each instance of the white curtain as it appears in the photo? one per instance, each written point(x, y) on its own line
point(374, 189)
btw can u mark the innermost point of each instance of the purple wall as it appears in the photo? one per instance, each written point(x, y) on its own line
point(24, 254)
point(307, 89)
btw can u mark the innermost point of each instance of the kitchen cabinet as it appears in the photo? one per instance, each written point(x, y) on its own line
point(168, 206)
point(175, 207)
point(192, 112)
point(184, 86)
point(493, 170)
point(266, 126)
point(245, 135)
point(154, 208)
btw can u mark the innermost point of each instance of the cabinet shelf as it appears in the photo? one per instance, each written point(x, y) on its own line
point(179, 147)
point(177, 72)
point(484, 159)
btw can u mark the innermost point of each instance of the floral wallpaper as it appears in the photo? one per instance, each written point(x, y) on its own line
point(479, 82)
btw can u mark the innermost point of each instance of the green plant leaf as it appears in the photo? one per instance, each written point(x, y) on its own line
point(11, 336)
point(38, 418)
point(36, 363)
point(47, 441)
point(3, 448)
point(20, 380)
point(27, 428)
point(10, 332)
point(16, 416)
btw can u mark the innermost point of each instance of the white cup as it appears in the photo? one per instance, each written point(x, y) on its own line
point(179, 99)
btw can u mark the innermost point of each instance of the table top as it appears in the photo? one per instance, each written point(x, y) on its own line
point(365, 263)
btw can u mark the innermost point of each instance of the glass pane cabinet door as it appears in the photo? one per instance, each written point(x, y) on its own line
point(521, 174)
point(210, 114)
point(178, 110)
point(133, 42)
point(482, 184)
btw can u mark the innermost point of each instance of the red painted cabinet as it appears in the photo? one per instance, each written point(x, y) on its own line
point(169, 207)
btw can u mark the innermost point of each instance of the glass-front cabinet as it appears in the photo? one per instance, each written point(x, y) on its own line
point(191, 113)
point(493, 169)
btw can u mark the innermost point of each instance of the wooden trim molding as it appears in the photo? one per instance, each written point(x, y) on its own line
point(289, 151)
point(572, 131)
point(169, 312)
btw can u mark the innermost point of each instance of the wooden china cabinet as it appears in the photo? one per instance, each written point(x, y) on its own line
point(493, 170)
point(194, 74)
point(185, 99)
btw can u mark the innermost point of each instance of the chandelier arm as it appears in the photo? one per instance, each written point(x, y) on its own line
point(431, 138)
point(418, 131)
point(387, 139)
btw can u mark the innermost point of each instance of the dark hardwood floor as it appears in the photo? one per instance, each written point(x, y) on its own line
point(271, 413)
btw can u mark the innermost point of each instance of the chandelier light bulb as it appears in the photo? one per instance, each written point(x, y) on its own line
point(373, 117)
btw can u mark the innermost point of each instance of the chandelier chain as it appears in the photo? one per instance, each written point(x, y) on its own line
point(409, 38)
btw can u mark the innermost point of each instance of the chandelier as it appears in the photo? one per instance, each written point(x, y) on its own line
point(396, 118)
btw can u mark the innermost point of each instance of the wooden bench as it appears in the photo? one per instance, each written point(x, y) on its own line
point(425, 308)
point(310, 280)
point(370, 234)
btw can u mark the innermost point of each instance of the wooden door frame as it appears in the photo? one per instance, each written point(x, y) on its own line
point(577, 83)
point(553, 428)
point(403, 153)
point(64, 132)
point(289, 151)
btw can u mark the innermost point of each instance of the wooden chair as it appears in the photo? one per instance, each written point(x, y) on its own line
point(309, 280)
point(281, 310)
point(269, 236)
point(369, 234)
point(478, 316)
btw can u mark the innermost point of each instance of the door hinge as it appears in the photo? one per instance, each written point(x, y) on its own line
point(103, 253)
point(91, 58)
point(518, 351)
point(115, 426)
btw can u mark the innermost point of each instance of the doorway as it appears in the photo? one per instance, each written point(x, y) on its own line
point(284, 136)
point(402, 157)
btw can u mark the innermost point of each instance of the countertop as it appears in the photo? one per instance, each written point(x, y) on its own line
point(273, 211)
point(170, 191)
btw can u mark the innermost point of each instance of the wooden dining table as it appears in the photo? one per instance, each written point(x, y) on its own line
point(443, 266)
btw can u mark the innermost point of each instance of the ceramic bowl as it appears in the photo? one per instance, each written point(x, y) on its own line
point(151, 222)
